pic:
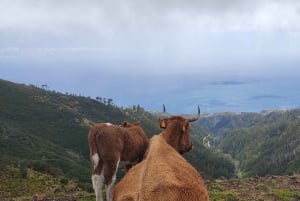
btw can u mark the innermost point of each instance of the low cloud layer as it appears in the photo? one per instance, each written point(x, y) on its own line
point(112, 16)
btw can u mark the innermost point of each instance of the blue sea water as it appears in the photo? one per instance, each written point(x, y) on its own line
point(233, 96)
point(239, 96)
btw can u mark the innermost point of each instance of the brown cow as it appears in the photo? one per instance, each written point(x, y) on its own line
point(109, 145)
point(164, 175)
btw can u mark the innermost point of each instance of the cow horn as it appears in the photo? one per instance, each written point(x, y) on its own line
point(195, 118)
point(164, 114)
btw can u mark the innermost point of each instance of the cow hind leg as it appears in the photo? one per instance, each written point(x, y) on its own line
point(110, 170)
point(95, 160)
point(98, 181)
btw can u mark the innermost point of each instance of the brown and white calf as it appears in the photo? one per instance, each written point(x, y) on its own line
point(164, 175)
point(109, 145)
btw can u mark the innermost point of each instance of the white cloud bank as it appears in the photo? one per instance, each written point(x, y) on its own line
point(112, 16)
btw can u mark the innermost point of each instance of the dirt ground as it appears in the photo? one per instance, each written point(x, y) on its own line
point(269, 188)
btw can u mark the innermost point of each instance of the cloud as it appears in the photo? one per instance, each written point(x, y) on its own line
point(62, 17)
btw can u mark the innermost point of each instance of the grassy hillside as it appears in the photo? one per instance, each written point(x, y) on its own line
point(23, 183)
point(261, 143)
point(47, 131)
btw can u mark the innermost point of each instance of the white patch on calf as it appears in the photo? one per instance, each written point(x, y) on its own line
point(98, 181)
point(109, 187)
point(95, 159)
point(108, 124)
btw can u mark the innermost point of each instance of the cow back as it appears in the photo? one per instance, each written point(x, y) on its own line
point(135, 143)
point(163, 175)
point(129, 143)
point(109, 142)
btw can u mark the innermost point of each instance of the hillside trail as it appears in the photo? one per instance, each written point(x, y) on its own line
point(268, 188)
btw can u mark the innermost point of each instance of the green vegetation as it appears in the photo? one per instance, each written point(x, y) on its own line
point(13, 184)
point(260, 143)
point(210, 164)
point(284, 188)
point(218, 193)
point(284, 194)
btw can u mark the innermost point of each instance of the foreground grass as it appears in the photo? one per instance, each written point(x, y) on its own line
point(21, 185)
point(270, 188)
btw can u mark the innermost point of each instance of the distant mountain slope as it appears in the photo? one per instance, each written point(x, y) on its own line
point(219, 123)
point(263, 150)
point(47, 131)
point(262, 143)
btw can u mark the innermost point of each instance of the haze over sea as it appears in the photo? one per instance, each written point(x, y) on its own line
point(181, 93)
point(240, 56)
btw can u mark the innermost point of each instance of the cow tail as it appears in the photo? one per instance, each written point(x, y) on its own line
point(93, 149)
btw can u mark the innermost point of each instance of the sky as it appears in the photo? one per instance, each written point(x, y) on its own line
point(224, 55)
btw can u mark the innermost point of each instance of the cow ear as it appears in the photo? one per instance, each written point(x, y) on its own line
point(185, 127)
point(163, 123)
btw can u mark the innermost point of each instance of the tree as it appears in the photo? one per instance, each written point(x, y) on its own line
point(109, 101)
point(98, 98)
point(45, 86)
